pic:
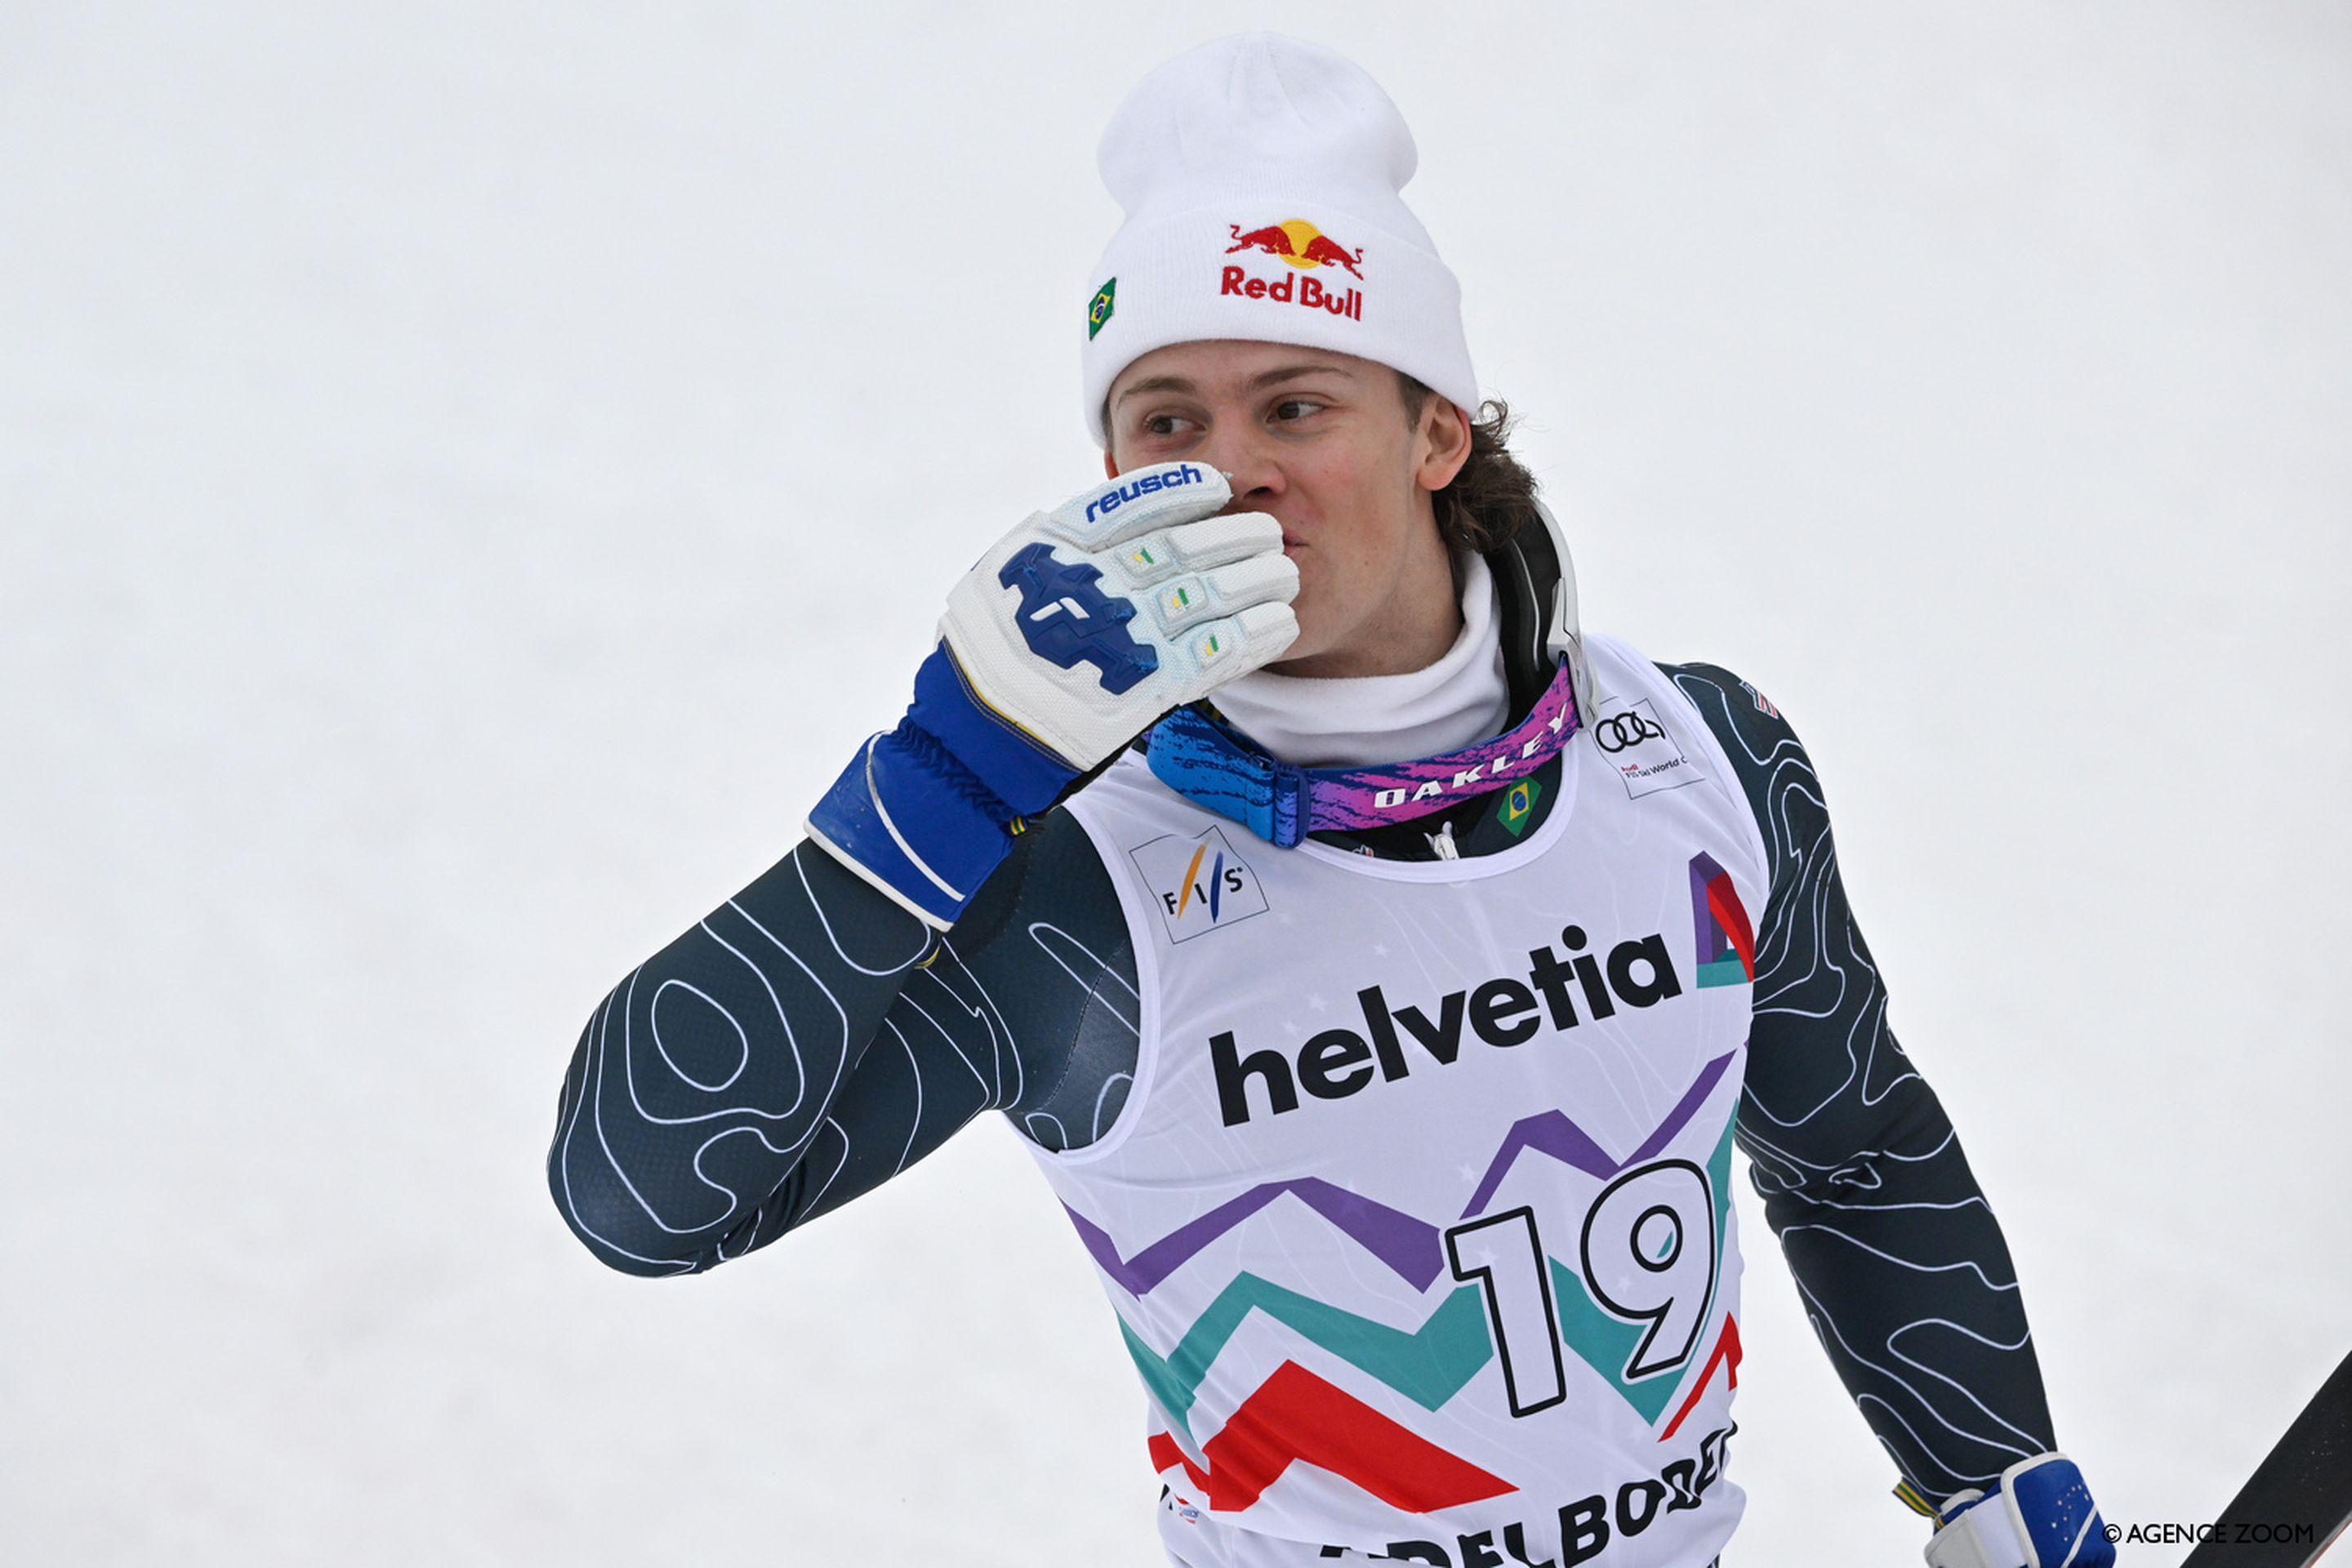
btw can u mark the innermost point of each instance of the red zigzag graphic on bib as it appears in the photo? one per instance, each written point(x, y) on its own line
point(1726, 1355)
point(1296, 1415)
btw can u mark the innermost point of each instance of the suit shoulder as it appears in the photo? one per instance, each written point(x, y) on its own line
point(1757, 737)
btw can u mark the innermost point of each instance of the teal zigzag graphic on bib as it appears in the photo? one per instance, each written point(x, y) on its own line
point(1428, 1366)
point(1432, 1363)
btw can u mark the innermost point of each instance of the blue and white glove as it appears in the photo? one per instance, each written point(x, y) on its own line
point(1068, 639)
point(2039, 1514)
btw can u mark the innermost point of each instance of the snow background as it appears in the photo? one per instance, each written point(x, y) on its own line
point(468, 474)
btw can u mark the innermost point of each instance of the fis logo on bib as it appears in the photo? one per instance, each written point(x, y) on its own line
point(1199, 882)
point(1636, 742)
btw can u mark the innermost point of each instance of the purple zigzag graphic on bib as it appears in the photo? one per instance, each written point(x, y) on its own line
point(1408, 1246)
point(1551, 1132)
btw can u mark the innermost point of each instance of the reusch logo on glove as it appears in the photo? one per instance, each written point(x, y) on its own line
point(1111, 500)
point(1306, 248)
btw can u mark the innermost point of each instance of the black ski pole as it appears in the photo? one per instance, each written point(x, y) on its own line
point(2299, 1499)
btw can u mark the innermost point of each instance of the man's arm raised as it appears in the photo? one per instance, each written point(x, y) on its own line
point(714, 1098)
point(1027, 1006)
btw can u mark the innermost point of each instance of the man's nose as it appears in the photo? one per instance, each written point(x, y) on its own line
point(1254, 472)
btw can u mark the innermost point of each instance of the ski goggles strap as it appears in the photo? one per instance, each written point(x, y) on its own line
point(1202, 761)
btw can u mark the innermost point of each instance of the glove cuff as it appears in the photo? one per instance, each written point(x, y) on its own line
point(1015, 769)
point(902, 818)
point(923, 811)
point(1977, 1532)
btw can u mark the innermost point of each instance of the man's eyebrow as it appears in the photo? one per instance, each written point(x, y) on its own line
point(1258, 382)
point(1158, 384)
point(1292, 373)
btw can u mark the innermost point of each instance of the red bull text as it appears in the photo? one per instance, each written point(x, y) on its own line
point(1305, 249)
point(1313, 294)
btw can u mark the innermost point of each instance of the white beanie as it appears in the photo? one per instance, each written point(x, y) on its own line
point(1260, 178)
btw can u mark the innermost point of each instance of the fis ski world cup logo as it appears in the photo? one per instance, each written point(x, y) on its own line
point(1636, 742)
point(1304, 250)
point(1199, 882)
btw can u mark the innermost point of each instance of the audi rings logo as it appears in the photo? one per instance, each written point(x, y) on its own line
point(1641, 751)
point(1628, 728)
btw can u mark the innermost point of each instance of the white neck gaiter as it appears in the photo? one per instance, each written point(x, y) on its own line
point(1361, 720)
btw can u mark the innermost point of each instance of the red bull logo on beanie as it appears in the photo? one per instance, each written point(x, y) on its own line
point(1305, 250)
point(1300, 243)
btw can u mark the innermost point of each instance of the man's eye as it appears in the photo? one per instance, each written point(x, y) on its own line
point(1160, 424)
point(1294, 408)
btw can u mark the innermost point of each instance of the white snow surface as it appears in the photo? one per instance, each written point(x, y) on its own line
point(468, 475)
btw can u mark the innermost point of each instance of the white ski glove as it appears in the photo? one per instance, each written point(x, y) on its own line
point(1071, 636)
point(1088, 622)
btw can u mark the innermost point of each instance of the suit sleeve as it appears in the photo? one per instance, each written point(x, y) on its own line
point(808, 1040)
point(1896, 1255)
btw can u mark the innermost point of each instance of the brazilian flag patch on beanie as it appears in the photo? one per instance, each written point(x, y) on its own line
point(1099, 307)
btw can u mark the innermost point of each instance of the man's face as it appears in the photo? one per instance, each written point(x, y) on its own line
point(1321, 442)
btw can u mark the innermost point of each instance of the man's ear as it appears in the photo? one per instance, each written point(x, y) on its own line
point(1111, 465)
point(1443, 435)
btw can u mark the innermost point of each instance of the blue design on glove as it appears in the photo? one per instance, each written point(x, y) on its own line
point(1066, 619)
point(2038, 1514)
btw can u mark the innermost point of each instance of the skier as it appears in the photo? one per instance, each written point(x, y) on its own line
point(1379, 967)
